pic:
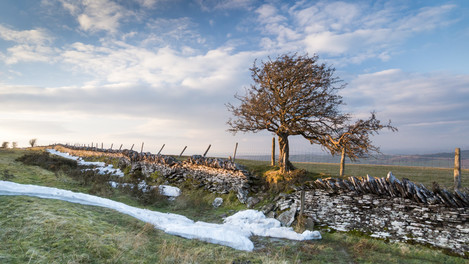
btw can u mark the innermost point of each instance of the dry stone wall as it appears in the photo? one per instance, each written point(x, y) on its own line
point(213, 174)
point(397, 210)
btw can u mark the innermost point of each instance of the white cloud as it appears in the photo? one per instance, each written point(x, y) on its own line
point(352, 31)
point(36, 36)
point(411, 98)
point(426, 18)
point(29, 53)
point(31, 45)
point(118, 62)
point(97, 15)
point(430, 110)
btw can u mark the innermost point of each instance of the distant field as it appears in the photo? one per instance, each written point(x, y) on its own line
point(425, 175)
point(437, 160)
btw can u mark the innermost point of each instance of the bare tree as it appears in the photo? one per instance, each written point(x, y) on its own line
point(32, 142)
point(14, 145)
point(353, 140)
point(291, 95)
point(5, 144)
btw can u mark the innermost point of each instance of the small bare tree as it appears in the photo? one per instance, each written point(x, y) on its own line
point(32, 142)
point(353, 140)
point(5, 144)
point(291, 95)
point(14, 145)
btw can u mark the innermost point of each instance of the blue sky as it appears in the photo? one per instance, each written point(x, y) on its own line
point(161, 71)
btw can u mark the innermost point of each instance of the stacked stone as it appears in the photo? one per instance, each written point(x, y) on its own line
point(386, 208)
point(213, 174)
point(392, 187)
point(213, 162)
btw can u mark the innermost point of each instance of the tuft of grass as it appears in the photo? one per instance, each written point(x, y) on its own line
point(49, 162)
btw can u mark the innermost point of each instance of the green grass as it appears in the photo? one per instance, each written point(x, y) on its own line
point(34, 230)
point(425, 175)
point(38, 230)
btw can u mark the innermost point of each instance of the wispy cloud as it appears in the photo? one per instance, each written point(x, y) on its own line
point(175, 32)
point(352, 31)
point(410, 98)
point(210, 5)
point(36, 36)
point(118, 62)
point(98, 15)
point(29, 45)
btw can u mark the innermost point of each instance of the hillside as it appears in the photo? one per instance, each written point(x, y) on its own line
point(37, 230)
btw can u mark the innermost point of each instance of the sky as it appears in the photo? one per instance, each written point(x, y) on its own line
point(162, 71)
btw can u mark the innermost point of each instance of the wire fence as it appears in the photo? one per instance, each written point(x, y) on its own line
point(423, 168)
point(442, 160)
point(300, 152)
point(427, 169)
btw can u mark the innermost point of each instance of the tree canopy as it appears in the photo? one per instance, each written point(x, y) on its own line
point(291, 95)
point(353, 139)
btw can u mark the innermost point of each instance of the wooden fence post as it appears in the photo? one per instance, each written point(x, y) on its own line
point(457, 169)
point(161, 149)
point(112, 144)
point(120, 147)
point(182, 151)
point(302, 200)
point(272, 159)
point(236, 148)
point(141, 149)
point(132, 147)
point(102, 145)
point(207, 150)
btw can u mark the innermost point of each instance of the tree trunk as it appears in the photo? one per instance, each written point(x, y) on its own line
point(284, 155)
point(342, 163)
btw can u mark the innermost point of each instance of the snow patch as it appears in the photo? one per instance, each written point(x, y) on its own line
point(258, 224)
point(101, 167)
point(234, 232)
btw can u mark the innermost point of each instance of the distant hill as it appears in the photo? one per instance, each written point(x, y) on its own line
point(464, 153)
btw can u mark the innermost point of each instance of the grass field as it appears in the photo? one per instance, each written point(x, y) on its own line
point(425, 175)
point(34, 230)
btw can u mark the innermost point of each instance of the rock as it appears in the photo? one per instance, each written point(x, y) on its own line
point(268, 208)
point(271, 214)
point(123, 163)
point(287, 217)
point(217, 202)
point(252, 201)
point(391, 178)
point(309, 223)
point(242, 195)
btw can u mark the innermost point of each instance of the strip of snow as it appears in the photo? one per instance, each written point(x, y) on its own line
point(235, 231)
point(101, 166)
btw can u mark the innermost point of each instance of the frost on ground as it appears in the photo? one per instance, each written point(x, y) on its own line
point(234, 232)
point(101, 167)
